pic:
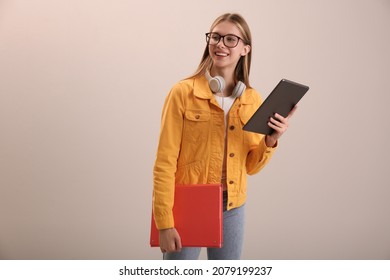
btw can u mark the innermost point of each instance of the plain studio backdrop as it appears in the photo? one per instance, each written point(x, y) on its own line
point(82, 85)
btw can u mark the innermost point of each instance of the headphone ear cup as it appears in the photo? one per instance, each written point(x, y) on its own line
point(238, 89)
point(217, 84)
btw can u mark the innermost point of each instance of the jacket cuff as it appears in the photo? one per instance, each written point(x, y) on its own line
point(266, 148)
point(163, 222)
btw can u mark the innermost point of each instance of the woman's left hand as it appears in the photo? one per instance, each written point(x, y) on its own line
point(280, 125)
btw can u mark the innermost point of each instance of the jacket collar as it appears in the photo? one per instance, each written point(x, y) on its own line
point(203, 91)
point(201, 88)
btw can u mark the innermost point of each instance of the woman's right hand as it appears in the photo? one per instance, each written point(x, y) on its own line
point(169, 240)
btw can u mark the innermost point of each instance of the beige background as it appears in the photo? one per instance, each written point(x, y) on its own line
point(82, 84)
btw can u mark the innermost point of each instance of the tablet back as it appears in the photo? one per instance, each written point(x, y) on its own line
point(281, 100)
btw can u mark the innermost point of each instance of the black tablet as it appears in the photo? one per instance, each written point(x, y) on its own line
point(281, 100)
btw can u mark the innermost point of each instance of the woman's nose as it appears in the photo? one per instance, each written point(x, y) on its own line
point(220, 43)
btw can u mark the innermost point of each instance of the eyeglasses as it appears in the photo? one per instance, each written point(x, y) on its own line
point(229, 40)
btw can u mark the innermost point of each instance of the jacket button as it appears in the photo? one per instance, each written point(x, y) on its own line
point(231, 182)
point(231, 127)
point(197, 117)
point(231, 154)
point(231, 204)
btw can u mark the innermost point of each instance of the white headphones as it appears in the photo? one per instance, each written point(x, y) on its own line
point(217, 84)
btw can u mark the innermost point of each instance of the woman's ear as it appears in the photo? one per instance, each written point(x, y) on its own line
point(245, 50)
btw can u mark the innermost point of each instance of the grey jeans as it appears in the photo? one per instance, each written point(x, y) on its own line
point(233, 235)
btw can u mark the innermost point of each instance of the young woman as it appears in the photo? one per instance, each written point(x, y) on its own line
point(202, 141)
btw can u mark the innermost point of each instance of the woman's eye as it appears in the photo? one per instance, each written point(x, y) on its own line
point(231, 39)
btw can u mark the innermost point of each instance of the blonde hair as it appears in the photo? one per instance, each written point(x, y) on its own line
point(243, 66)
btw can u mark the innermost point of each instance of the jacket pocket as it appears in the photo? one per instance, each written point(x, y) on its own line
point(244, 118)
point(196, 125)
point(188, 173)
point(247, 137)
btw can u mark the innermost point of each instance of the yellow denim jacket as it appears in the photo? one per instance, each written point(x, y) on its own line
point(191, 145)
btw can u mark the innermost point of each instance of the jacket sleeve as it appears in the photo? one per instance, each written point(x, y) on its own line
point(258, 157)
point(259, 154)
point(166, 159)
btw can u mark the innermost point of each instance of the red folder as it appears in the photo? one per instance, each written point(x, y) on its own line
point(197, 212)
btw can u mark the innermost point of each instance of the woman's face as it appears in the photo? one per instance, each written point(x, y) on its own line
point(222, 56)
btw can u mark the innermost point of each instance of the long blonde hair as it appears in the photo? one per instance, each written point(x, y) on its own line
point(243, 66)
